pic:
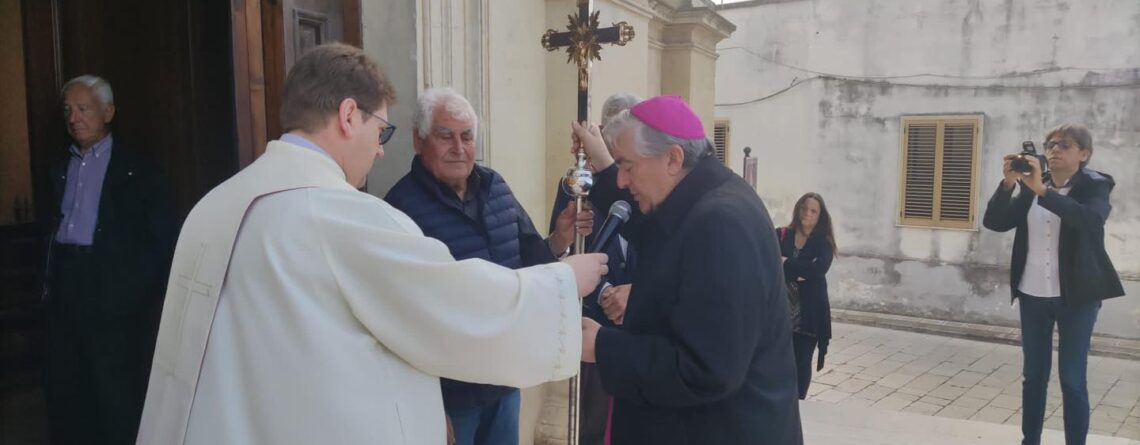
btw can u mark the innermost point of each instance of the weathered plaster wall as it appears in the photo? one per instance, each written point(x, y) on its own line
point(817, 89)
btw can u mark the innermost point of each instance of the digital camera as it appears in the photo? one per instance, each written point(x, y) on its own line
point(1020, 164)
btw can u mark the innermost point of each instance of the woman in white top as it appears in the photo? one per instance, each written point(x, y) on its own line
point(1059, 271)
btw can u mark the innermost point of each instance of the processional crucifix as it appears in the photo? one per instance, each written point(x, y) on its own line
point(583, 42)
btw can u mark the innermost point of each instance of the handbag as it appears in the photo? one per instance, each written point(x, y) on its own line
point(792, 290)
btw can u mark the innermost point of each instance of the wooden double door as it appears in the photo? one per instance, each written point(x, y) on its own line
point(196, 88)
point(197, 82)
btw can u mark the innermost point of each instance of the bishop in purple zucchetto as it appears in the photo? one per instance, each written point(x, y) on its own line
point(670, 115)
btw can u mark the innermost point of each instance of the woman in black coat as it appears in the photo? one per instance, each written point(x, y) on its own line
point(1059, 271)
point(808, 246)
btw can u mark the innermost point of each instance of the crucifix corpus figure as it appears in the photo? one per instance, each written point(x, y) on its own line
point(583, 42)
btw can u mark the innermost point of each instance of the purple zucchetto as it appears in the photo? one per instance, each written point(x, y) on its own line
point(670, 115)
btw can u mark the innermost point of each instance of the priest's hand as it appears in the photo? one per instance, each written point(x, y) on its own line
point(589, 137)
point(569, 222)
point(613, 302)
point(589, 338)
point(589, 268)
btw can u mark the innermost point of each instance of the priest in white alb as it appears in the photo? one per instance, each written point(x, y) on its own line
point(300, 310)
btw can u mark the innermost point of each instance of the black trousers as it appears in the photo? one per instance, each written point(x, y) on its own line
point(95, 366)
point(594, 407)
point(804, 346)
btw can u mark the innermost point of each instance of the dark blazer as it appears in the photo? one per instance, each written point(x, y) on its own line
point(812, 265)
point(620, 263)
point(1086, 272)
point(705, 353)
point(134, 237)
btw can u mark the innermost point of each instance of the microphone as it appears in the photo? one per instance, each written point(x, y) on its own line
point(619, 214)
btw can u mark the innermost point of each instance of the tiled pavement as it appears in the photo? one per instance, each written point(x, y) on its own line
point(962, 379)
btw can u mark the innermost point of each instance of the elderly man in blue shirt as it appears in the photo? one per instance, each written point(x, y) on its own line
point(111, 243)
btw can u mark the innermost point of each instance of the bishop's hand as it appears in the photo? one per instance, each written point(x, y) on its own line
point(589, 138)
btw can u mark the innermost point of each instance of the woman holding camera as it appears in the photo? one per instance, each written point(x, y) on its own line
point(808, 246)
point(1059, 270)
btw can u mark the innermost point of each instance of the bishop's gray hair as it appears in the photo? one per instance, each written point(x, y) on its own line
point(98, 85)
point(616, 104)
point(650, 142)
point(455, 104)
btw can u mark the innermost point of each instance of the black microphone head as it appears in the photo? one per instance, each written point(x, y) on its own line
point(620, 210)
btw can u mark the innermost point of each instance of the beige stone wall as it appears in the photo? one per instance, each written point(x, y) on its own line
point(390, 37)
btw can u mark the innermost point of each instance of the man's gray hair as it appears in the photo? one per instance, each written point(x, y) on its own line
point(98, 85)
point(616, 104)
point(455, 104)
point(650, 142)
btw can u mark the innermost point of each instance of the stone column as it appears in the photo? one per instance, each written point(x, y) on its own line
point(688, 37)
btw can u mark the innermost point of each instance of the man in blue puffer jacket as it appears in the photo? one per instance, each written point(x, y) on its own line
point(471, 209)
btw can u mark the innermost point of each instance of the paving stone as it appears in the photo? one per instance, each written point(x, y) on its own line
point(1128, 432)
point(993, 414)
point(922, 408)
point(983, 392)
point(895, 380)
point(903, 357)
point(874, 392)
point(956, 412)
point(868, 359)
point(832, 396)
point(947, 369)
point(1007, 402)
point(849, 369)
point(855, 402)
point(967, 379)
point(934, 401)
point(926, 382)
point(970, 402)
point(853, 385)
point(832, 378)
point(1119, 401)
point(1104, 423)
point(911, 391)
point(817, 388)
point(1055, 422)
point(948, 391)
point(1111, 412)
point(895, 402)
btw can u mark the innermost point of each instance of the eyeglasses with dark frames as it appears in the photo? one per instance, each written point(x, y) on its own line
point(1062, 144)
point(387, 132)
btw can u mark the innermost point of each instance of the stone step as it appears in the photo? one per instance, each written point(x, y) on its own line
point(826, 424)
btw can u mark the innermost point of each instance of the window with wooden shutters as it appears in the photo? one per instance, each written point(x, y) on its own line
point(721, 133)
point(938, 182)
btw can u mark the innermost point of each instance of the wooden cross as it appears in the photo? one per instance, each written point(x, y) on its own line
point(583, 42)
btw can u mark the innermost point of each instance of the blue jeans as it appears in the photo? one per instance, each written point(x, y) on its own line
point(493, 424)
point(1075, 327)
